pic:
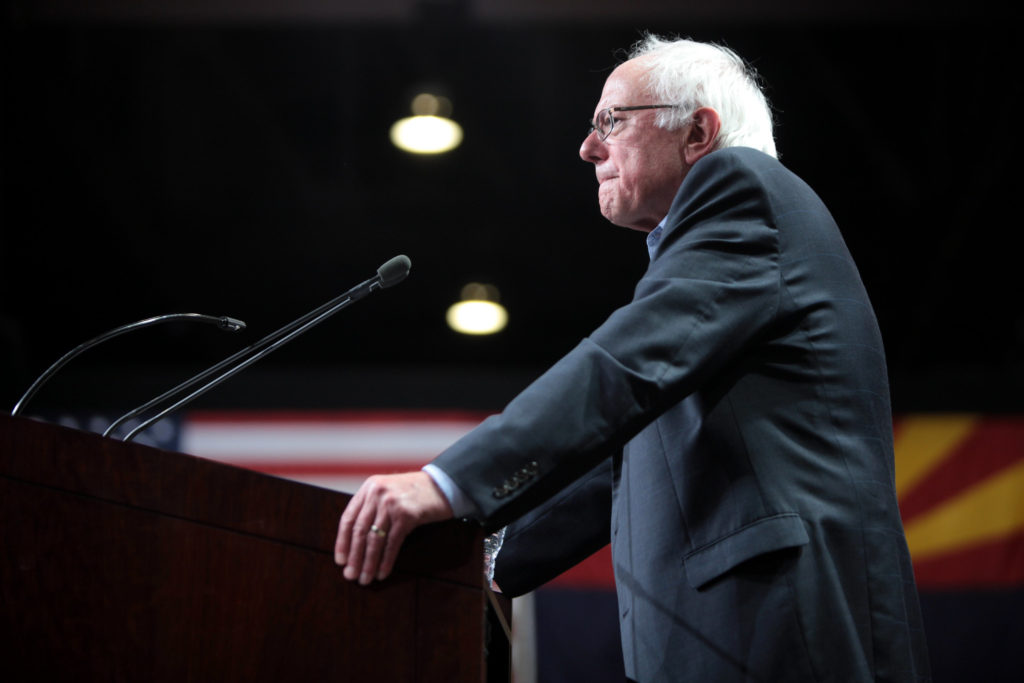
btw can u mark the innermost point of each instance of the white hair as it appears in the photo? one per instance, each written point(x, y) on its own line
point(694, 75)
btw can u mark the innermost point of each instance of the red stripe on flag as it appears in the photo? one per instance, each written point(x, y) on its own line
point(340, 416)
point(593, 572)
point(998, 564)
point(996, 443)
point(353, 469)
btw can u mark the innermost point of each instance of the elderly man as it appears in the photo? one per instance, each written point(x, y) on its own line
point(728, 431)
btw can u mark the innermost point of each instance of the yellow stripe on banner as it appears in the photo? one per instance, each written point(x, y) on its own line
point(984, 512)
point(924, 441)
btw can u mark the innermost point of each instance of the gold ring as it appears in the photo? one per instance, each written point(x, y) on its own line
point(374, 529)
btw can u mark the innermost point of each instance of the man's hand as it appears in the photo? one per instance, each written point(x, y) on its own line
point(379, 517)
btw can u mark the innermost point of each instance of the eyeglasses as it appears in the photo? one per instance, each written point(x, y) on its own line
point(604, 122)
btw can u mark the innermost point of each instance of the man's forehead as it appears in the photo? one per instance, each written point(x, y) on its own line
point(625, 86)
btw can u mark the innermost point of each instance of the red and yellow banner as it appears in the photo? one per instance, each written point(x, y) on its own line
point(960, 480)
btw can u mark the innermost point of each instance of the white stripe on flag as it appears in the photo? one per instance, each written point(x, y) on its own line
point(337, 451)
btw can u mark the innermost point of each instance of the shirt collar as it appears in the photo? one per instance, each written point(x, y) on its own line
point(654, 239)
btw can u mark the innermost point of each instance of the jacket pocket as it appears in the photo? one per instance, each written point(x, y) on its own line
point(711, 560)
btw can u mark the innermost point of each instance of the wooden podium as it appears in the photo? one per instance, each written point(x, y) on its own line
point(121, 562)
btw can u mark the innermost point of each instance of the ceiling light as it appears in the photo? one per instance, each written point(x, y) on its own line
point(479, 312)
point(428, 130)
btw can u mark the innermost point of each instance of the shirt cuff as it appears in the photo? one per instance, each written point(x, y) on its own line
point(461, 504)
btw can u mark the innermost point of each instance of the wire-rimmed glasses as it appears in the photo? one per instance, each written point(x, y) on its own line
point(604, 122)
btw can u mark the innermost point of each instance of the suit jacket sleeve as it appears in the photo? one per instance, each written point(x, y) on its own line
point(559, 534)
point(712, 288)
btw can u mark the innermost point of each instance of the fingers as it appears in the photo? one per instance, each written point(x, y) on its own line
point(368, 547)
point(343, 544)
point(359, 545)
point(380, 555)
point(367, 532)
point(390, 554)
point(379, 517)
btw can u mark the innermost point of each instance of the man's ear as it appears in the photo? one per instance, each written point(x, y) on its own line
point(702, 135)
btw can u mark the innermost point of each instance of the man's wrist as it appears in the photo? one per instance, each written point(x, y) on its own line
point(462, 506)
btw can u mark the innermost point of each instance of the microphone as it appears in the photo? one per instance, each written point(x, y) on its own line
point(389, 274)
point(223, 322)
point(394, 271)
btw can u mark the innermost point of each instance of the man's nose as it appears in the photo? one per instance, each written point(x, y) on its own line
point(593, 148)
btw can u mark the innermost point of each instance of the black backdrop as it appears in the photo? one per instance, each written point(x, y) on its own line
point(238, 167)
point(243, 168)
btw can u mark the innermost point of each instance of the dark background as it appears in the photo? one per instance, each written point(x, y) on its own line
point(233, 159)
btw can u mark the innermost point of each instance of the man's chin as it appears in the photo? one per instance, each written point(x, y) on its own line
point(625, 222)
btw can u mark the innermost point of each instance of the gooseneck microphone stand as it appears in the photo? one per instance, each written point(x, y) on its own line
point(222, 322)
point(390, 273)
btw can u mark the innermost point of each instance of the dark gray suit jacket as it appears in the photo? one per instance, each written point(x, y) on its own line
point(729, 431)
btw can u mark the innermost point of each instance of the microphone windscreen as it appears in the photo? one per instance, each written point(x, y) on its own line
point(394, 271)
